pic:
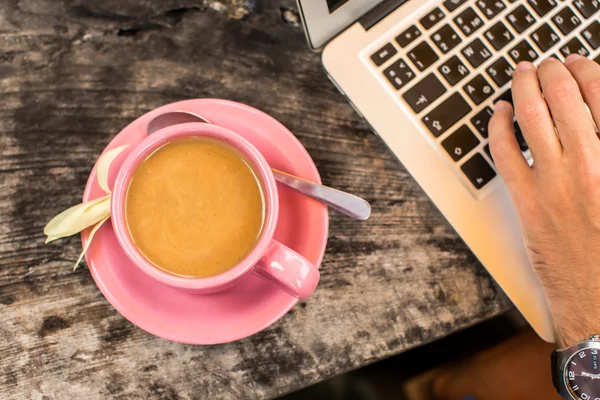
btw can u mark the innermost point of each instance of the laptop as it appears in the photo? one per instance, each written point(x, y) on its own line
point(425, 75)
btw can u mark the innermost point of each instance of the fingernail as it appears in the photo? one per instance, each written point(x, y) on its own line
point(572, 58)
point(524, 66)
point(502, 106)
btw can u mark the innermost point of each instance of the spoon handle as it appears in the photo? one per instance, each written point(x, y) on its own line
point(346, 203)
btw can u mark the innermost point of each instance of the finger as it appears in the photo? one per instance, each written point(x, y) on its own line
point(533, 116)
point(507, 155)
point(587, 74)
point(566, 106)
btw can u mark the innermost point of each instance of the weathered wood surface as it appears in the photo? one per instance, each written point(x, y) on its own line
point(72, 73)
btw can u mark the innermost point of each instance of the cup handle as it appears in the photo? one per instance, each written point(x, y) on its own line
point(287, 269)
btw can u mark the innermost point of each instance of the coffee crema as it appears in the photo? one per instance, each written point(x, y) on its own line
point(195, 208)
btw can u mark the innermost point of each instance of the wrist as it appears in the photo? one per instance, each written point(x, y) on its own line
point(575, 317)
point(567, 337)
point(575, 328)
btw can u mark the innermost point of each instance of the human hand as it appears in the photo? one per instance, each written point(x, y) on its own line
point(558, 198)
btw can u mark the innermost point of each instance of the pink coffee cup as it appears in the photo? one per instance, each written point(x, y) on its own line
point(270, 259)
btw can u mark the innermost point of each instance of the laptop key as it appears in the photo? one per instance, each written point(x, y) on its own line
point(523, 52)
point(506, 96)
point(520, 19)
point(446, 39)
point(446, 114)
point(490, 8)
point(434, 16)
point(587, 8)
point(478, 89)
point(488, 151)
point(566, 20)
point(545, 38)
point(452, 5)
point(476, 53)
point(385, 53)
point(542, 7)
point(478, 171)
point(574, 46)
point(408, 36)
point(592, 35)
point(422, 56)
point(520, 138)
point(499, 35)
point(399, 74)
point(468, 21)
point(424, 93)
point(481, 120)
point(597, 59)
point(460, 142)
point(453, 70)
point(500, 71)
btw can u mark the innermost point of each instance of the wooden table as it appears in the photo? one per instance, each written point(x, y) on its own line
point(72, 74)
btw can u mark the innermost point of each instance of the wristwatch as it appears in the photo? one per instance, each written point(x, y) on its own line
point(576, 370)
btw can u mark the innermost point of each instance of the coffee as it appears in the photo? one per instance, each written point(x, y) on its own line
point(195, 208)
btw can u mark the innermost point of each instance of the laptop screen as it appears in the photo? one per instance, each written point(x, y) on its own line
point(323, 19)
point(335, 4)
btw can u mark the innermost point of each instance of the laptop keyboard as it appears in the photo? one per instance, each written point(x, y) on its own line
point(458, 60)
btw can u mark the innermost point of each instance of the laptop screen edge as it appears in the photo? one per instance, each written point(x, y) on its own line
point(321, 25)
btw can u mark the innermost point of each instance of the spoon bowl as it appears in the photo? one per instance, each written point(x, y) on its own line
point(173, 118)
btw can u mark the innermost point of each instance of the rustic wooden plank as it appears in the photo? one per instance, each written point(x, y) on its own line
point(72, 73)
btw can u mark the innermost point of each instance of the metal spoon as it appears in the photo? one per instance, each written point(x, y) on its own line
point(172, 118)
point(346, 203)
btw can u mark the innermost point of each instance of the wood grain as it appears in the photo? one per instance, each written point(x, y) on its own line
point(72, 74)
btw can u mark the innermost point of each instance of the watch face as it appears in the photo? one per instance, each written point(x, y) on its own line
point(582, 375)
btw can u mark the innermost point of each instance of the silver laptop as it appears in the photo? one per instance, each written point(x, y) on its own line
point(425, 75)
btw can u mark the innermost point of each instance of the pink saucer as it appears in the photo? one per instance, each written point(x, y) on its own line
point(253, 304)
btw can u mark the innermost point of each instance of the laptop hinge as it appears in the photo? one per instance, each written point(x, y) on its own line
point(379, 12)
